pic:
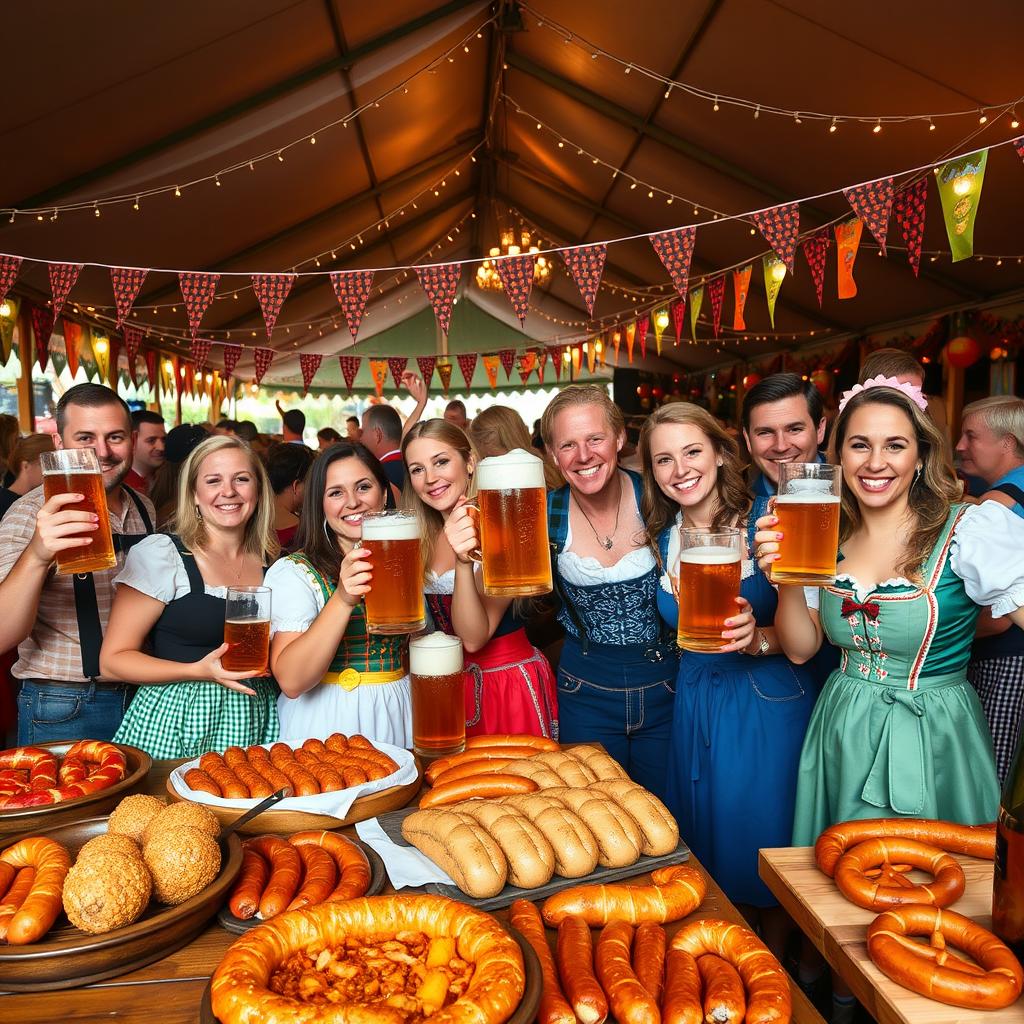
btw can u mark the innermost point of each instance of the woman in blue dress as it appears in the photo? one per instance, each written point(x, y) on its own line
point(740, 713)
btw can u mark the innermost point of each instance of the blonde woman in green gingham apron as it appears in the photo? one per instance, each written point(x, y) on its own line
point(897, 729)
point(334, 676)
point(171, 599)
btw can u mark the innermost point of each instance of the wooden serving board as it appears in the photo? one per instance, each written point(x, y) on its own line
point(837, 927)
point(391, 823)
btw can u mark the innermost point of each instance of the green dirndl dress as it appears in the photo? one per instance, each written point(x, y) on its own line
point(897, 729)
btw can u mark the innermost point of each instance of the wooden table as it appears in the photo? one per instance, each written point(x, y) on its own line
point(169, 990)
point(837, 927)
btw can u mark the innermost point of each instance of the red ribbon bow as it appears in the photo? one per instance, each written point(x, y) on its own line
point(869, 608)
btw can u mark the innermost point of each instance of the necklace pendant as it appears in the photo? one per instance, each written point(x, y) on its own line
point(608, 542)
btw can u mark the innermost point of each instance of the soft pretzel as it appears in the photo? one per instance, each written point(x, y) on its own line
point(34, 917)
point(891, 888)
point(92, 765)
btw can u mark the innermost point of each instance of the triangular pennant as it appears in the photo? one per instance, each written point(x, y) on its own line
point(741, 288)
point(716, 293)
point(774, 274)
point(780, 226)
point(262, 357)
point(1018, 144)
point(444, 371)
point(528, 362)
point(643, 325)
point(379, 372)
point(7, 330)
point(556, 359)
point(660, 320)
point(231, 353)
point(508, 360)
point(127, 282)
point(114, 354)
point(591, 347)
point(630, 340)
point(909, 207)
point(847, 243)
point(675, 250)
point(10, 266)
point(491, 364)
point(426, 365)
point(397, 365)
point(62, 279)
point(678, 311)
point(201, 352)
point(352, 289)
point(73, 334)
point(309, 363)
point(696, 301)
point(101, 352)
point(577, 358)
point(815, 248)
point(132, 341)
point(467, 364)
point(960, 183)
point(152, 368)
point(349, 369)
point(42, 328)
point(586, 265)
point(524, 372)
point(516, 273)
point(59, 358)
point(440, 283)
point(542, 362)
point(197, 290)
point(872, 202)
point(272, 290)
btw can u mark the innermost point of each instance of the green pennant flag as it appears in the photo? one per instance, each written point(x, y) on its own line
point(696, 298)
point(59, 358)
point(774, 274)
point(960, 184)
point(7, 329)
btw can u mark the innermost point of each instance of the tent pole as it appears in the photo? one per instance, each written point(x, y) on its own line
point(26, 410)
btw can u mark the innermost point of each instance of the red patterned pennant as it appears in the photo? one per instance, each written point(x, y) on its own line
point(675, 250)
point(352, 288)
point(440, 283)
point(10, 266)
point(397, 365)
point(349, 368)
point(426, 365)
point(152, 368)
point(556, 360)
point(272, 290)
point(508, 360)
point(586, 265)
point(309, 363)
point(444, 371)
point(132, 341)
point(525, 369)
point(73, 335)
point(127, 283)
point(1018, 144)
point(678, 309)
point(467, 364)
point(780, 226)
point(262, 357)
point(872, 202)
point(716, 293)
point(115, 354)
point(516, 273)
point(42, 327)
point(197, 291)
point(201, 352)
point(816, 253)
point(232, 353)
point(542, 362)
point(643, 325)
point(909, 207)
point(62, 279)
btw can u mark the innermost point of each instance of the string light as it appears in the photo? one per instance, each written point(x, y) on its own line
point(832, 127)
point(878, 126)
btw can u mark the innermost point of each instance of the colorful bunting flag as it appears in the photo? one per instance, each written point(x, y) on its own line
point(42, 328)
point(960, 183)
point(397, 365)
point(114, 354)
point(73, 335)
point(872, 202)
point(847, 243)
point(309, 363)
point(591, 348)
point(379, 372)
point(201, 352)
point(426, 365)
point(660, 323)
point(62, 279)
point(585, 264)
point(1018, 144)
point(197, 290)
point(7, 330)
point(556, 359)
point(780, 226)
point(774, 274)
point(444, 371)
point(352, 289)
point(127, 283)
point(272, 290)
point(101, 352)
point(10, 266)
point(909, 207)
point(262, 357)
point(440, 282)
point(516, 273)
point(349, 369)
point(630, 339)
point(542, 362)
point(231, 353)
point(467, 364)
point(696, 301)
point(616, 343)
point(678, 310)
point(643, 325)
point(577, 358)
point(716, 293)
point(491, 364)
point(675, 250)
point(740, 287)
point(815, 248)
point(152, 369)
point(132, 341)
point(528, 362)
point(508, 360)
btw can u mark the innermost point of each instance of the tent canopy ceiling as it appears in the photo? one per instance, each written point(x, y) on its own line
point(138, 97)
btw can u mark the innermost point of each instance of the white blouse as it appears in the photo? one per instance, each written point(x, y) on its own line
point(154, 568)
point(296, 598)
point(588, 571)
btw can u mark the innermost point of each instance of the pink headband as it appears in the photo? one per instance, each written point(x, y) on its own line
point(912, 392)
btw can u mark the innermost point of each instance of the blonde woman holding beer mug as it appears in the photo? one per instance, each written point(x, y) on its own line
point(166, 630)
point(510, 687)
point(741, 708)
point(336, 676)
point(897, 729)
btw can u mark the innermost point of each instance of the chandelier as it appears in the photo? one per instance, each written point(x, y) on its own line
point(487, 273)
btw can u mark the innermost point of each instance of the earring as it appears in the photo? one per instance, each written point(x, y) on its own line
point(327, 532)
point(199, 514)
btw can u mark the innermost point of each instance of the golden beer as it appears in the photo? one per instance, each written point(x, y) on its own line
point(77, 471)
point(514, 525)
point(247, 629)
point(709, 583)
point(810, 528)
point(438, 695)
point(395, 601)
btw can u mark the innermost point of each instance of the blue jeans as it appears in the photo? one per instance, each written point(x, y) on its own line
point(51, 712)
point(627, 708)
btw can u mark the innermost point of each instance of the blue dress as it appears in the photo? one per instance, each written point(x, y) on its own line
point(737, 730)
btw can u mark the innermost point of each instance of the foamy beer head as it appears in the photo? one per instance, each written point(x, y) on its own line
point(709, 556)
point(436, 654)
point(398, 525)
point(515, 470)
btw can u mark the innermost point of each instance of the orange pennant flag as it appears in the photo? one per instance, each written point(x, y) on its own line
point(741, 285)
point(591, 347)
point(379, 369)
point(491, 364)
point(630, 338)
point(616, 342)
point(847, 242)
point(577, 356)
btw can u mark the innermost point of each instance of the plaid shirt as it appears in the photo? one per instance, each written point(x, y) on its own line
point(52, 649)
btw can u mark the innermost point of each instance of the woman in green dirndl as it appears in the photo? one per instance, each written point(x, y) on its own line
point(897, 729)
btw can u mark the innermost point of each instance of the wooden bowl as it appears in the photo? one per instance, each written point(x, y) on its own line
point(29, 819)
point(67, 957)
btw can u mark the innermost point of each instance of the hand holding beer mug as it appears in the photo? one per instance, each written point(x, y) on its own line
point(77, 471)
point(807, 510)
point(438, 695)
point(247, 630)
point(709, 583)
point(394, 603)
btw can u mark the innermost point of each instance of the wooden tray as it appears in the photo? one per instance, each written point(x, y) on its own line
point(68, 957)
point(392, 825)
point(28, 819)
point(378, 876)
point(525, 1012)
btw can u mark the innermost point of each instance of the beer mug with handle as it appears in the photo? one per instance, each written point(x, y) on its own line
point(77, 471)
point(807, 507)
point(438, 689)
point(709, 583)
point(247, 629)
point(395, 601)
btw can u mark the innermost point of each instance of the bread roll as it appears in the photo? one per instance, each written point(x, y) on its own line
point(571, 770)
point(603, 765)
point(576, 849)
point(540, 773)
point(660, 833)
point(461, 847)
point(618, 836)
point(574, 797)
point(531, 859)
